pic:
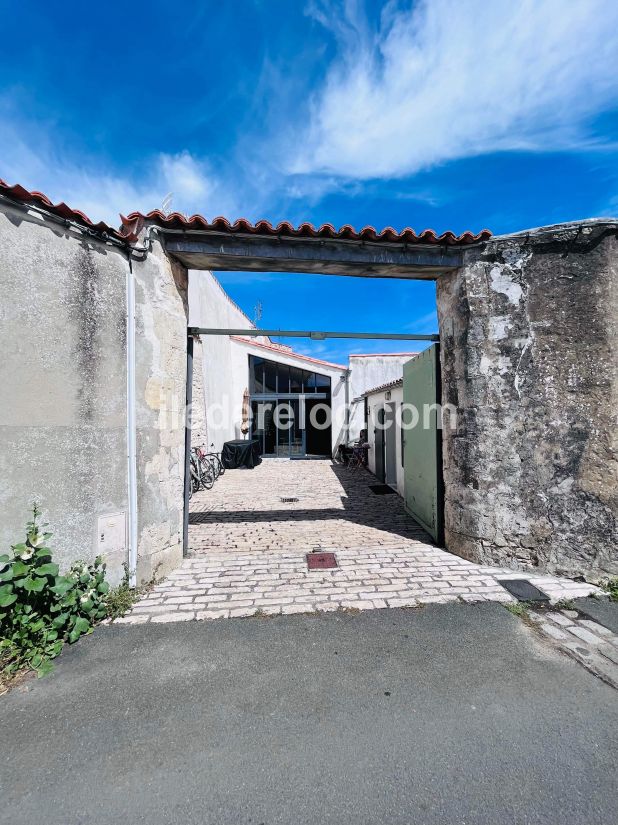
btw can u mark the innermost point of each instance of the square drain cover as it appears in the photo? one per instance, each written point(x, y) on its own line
point(523, 590)
point(321, 561)
point(287, 499)
point(381, 489)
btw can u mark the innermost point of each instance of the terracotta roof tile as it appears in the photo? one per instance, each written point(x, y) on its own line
point(398, 382)
point(18, 193)
point(134, 222)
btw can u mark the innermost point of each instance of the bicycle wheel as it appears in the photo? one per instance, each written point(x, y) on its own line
point(196, 475)
point(219, 468)
point(207, 473)
point(216, 464)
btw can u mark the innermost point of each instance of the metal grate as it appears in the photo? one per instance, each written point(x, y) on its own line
point(321, 561)
point(523, 590)
point(288, 499)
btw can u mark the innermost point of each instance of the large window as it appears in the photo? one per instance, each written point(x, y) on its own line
point(271, 378)
point(277, 392)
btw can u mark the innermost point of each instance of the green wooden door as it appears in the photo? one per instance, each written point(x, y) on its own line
point(422, 455)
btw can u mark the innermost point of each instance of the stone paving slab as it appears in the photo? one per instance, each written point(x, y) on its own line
point(249, 552)
point(590, 643)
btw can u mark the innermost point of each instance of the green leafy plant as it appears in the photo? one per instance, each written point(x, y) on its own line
point(122, 598)
point(611, 586)
point(518, 608)
point(565, 604)
point(40, 609)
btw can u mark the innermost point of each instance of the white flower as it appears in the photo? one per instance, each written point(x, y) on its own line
point(26, 554)
point(84, 598)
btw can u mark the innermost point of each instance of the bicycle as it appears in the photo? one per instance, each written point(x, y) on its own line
point(205, 469)
point(214, 459)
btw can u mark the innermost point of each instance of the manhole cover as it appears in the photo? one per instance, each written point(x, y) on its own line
point(321, 561)
point(523, 590)
point(381, 489)
point(288, 499)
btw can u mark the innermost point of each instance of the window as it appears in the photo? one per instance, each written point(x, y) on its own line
point(256, 375)
point(284, 379)
point(296, 380)
point(270, 376)
point(273, 378)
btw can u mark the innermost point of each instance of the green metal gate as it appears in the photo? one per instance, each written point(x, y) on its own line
point(422, 456)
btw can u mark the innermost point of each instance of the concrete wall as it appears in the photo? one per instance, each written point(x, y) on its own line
point(366, 373)
point(63, 373)
point(528, 331)
point(63, 379)
point(374, 403)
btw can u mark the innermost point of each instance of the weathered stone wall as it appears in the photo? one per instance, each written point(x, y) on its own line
point(528, 328)
point(161, 371)
point(199, 426)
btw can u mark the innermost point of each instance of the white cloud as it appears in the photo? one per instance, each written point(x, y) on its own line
point(450, 79)
point(102, 193)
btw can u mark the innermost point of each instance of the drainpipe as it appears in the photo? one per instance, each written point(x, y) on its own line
point(347, 407)
point(131, 428)
point(188, 416)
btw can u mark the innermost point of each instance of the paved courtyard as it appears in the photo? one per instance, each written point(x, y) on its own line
point(248, 547)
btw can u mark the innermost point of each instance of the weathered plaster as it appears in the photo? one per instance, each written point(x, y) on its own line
point(528, 328)
point(63, 379)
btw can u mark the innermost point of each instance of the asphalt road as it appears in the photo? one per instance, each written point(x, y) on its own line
point(448, 715)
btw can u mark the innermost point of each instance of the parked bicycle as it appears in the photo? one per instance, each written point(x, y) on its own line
point(206, 467)
point(214, 459)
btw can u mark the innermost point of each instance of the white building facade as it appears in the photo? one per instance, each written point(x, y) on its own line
point(385, 434)
point(289, 392)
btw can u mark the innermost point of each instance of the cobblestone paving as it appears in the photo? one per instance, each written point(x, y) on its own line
point(590, 643)
point(248, 551)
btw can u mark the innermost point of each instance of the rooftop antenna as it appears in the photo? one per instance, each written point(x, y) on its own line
point(167, 203)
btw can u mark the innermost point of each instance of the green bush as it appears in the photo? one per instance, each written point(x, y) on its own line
point(41, 609)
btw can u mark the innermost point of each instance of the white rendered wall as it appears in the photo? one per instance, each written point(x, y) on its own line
point(375, 402)
point(367, 372)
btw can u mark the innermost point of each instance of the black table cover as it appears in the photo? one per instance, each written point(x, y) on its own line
point(241, 453)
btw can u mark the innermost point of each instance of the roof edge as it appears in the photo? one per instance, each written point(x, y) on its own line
point(273, 348)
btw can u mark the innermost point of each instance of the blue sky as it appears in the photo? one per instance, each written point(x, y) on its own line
point(448, 114)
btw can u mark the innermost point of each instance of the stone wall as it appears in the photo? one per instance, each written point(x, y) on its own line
point(161, 371)
point(528, 331)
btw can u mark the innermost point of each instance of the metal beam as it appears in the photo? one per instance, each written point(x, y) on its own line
point(331, 257)
point(315, 335)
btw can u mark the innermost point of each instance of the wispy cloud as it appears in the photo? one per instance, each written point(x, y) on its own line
point(425, 325)
point(101, 191)
point(447, 79)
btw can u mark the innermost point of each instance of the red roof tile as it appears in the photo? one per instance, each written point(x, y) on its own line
point(136, 220)
point(398, 382)
point(18, 193)
point(132, 224)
